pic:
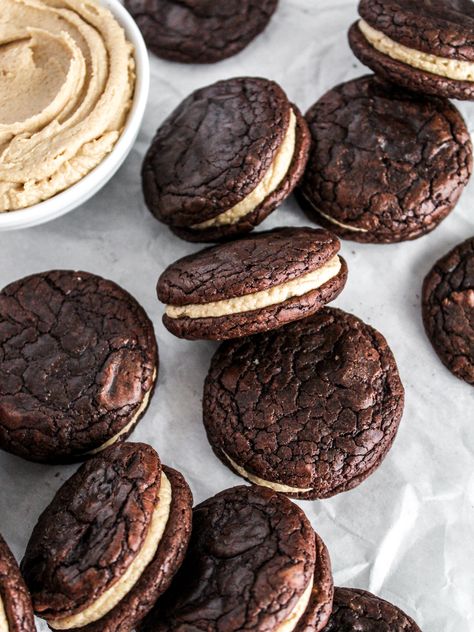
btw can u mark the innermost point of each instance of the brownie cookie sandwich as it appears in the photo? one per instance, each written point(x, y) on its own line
point(78, 363)
point(448, 310)
point(386, 165)
point(200, 31)
point(309, 410)
point(253, 563)
point(251, 285)
point(16, 610)
point(225, 159)
point(360, 611)
point(110, 542)
point(424, 45)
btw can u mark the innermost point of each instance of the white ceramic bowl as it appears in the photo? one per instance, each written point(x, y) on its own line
point(80, 192)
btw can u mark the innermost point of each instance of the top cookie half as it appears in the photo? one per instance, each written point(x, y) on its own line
point(359, 611)
point(448, 309)
point(16, 610)
point(225, 158)
point(426, 46)
point(200, 31)
point(110, 541)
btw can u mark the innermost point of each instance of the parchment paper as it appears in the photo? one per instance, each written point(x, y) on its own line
point(407, 533)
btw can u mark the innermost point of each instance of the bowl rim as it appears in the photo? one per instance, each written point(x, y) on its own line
point(78, 193)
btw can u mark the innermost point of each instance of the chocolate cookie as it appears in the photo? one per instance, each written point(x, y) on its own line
point(448, 309)
point(254, 563)
point(110, 542)
point(251, 285)
point(225, 159)
point(360, 611)
point(386, 165)
point(309, 410)
point(426, 46)
point(16, 611)
point(78, 363)
point(200, 31)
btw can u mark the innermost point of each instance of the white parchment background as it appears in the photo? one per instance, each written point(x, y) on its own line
point(407, 533)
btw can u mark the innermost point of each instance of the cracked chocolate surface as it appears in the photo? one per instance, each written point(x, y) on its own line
point(257, 321)
point(358, 610)
point(77, 356)
point(157, 576)
point(246, 266)
point(404, 75)
point(315, 405)
point(14, 594)
point(448, 309)
point(197, 31)
point(439, 27)
point(92, 530)
point(251, 556)
point(384, 161)
point(319, 607)
point(214, 149)
point(270, 203)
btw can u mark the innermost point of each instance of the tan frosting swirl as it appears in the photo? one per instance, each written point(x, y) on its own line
point(67, 84)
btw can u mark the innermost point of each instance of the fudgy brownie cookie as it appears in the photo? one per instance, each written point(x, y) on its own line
point(78, 363)
point(110, 542)
point(200, 31)
point(448, 309)
point(225, 159)
point(309, 410)
point(386, 164)
point(426, 46)
point(360, 611)
point(253, 284)
point(254, 563)
point(16, 610)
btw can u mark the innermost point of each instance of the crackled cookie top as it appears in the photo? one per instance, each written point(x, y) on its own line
point(386, 165)
point(68, 79)
point(225, 159)
point(448, 309)
point(253, 284)
point(253, 264)
point(310, 409)
point(16, 610)
point(425, 46)
point(101, 517)
point(197, 31)
point(78, 360)
point(360, 611)
point(214, 149)
point(253, 563)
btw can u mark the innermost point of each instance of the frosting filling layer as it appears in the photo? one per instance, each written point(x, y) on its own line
point(290, 623)
point(67, 80)
point(3, 618)
point(258, 300)
point(450, 68)
point(277, 487)
point(113, 595)
point(270, 182)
